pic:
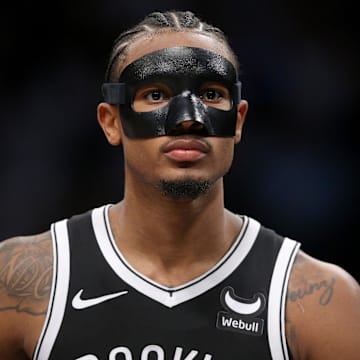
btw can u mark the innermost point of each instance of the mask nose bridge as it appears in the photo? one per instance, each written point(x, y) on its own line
point(185, 106)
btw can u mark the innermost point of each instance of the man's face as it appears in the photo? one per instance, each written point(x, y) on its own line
point(181, 149)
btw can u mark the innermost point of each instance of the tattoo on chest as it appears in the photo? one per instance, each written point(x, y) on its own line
point(25, 278)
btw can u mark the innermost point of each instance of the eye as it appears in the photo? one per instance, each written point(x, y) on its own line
point(211, 95)
point(216, 95)
point(154, 95)
point(151, 96)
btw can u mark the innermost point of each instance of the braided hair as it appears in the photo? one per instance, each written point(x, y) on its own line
point(161, 21)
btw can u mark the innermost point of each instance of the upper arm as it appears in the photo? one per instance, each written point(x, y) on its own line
point(322, 312)
point(25, 284)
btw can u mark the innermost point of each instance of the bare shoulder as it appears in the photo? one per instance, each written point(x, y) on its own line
point(322, 311)
point(25, 285)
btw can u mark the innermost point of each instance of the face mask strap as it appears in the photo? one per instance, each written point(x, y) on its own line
point(237, 92)
point(113, 93)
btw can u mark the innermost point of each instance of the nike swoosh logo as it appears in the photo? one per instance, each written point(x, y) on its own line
point(243, 306)
point(79, 303)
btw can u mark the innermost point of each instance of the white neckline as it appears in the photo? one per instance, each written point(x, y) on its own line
point(171, 297)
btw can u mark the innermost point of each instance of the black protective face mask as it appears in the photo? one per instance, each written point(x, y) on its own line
point(184, 70)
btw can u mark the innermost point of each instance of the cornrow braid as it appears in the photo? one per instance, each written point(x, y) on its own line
point(156, 21)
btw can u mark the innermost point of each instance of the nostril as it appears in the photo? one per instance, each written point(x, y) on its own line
point(189, 127)
point(197, 125)
point(190, 124)
point(187, 124)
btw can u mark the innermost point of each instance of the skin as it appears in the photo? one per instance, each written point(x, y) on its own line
point(323, 303)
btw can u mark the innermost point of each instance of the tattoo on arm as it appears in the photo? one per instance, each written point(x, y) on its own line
point(324, 288)
point(26, 274)
point(292, 340)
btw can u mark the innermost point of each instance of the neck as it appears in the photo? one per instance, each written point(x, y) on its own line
point(154, 219)
point(170, 234)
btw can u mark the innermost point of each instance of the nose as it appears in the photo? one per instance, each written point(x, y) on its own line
point(186, 114)
point(189, 127)
point(190, 124)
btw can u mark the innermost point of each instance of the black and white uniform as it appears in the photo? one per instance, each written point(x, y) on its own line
point(101, 308)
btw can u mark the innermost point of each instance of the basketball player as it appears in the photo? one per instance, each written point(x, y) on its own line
point(168, 272)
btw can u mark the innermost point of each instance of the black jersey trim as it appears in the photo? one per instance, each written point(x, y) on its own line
point(184, 286)
point(172, 296)
point(277, 299)
point(283, 299)
point(59, 290)
point(40, 341)
point(181, 287)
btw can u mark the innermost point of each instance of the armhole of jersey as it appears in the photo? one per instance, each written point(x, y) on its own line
point(277, 299)
point(59, 290)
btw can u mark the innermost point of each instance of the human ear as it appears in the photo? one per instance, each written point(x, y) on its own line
point(109, 120)
point(242, 109)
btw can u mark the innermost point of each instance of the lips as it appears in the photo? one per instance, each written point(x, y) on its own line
point(186, 149)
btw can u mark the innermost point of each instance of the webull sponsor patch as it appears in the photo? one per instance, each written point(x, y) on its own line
point(241, 324)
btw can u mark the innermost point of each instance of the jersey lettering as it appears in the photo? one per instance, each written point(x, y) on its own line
point(147, 353)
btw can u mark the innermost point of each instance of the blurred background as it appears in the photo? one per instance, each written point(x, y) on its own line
point(296, 169)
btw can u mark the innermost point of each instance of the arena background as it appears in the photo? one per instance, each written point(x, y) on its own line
point(296, 169)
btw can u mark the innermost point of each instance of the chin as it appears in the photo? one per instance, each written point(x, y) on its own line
point(184, 188)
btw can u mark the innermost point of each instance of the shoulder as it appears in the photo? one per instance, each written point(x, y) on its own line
point(26, 265)
point(26, 271)
point(322, 311)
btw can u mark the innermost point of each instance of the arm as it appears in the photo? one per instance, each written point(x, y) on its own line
point(25, 283)
point(322, 311)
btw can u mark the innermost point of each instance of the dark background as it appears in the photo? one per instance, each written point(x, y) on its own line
point(296, 168)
